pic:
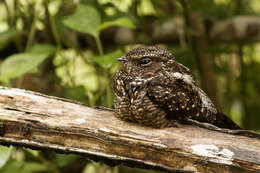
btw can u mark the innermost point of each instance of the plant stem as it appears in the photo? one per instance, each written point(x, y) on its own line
point(109, 95)
point(10, 12)
point(108, 90)
point(52, 24)
point(99, 45)
point(31, 34)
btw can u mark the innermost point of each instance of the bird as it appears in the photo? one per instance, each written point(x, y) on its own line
point(153, 89)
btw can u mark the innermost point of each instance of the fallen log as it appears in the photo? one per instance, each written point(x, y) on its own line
point(44, 122)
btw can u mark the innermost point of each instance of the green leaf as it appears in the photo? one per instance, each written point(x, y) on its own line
point(86, 19)
point(43, 49)
point(74, 71)
point(146, 7)
point(18, 64)
point(64, 159)
point(35, 153)
point(22, 167)
point(33, 166)
point(7, 36)
point(107, 60)
point(12, 165)
point(123, 21)
point(76, 93)
point(5, 153)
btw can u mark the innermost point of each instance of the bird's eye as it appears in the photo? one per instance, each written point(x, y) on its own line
point(145, 61)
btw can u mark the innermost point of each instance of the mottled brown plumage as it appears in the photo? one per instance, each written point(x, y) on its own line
point(153, 89)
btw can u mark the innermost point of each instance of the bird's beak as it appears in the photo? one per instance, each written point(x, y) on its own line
point(122, 58)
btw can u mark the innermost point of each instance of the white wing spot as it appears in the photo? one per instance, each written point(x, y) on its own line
point(206, 102)
point(185, 77)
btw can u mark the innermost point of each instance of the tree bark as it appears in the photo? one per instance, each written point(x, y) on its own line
point(43, 122)
point(201, 48)
point(200, 45)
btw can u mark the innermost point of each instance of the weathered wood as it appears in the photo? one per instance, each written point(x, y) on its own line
point(43, 122)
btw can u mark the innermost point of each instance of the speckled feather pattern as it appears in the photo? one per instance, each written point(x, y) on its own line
point(153, 89)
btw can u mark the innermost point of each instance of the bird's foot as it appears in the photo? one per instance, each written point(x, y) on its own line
point(174, 123)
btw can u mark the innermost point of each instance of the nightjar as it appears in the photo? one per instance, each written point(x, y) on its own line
point(153, 89)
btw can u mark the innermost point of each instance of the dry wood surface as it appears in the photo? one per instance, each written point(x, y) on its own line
point(44, 122)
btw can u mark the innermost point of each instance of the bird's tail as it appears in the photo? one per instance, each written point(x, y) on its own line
point(224, 121)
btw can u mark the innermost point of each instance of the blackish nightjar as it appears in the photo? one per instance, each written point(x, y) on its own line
point(153, 89)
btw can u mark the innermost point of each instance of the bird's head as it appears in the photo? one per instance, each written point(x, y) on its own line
point(145, 60)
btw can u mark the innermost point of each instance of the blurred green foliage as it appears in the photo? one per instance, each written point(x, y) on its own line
point(67, 48)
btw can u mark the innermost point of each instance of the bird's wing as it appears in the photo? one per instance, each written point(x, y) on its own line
point(181, 99)
point(176, 93)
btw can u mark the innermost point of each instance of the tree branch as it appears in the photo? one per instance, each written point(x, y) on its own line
point(43, 122)
point(239, 28)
